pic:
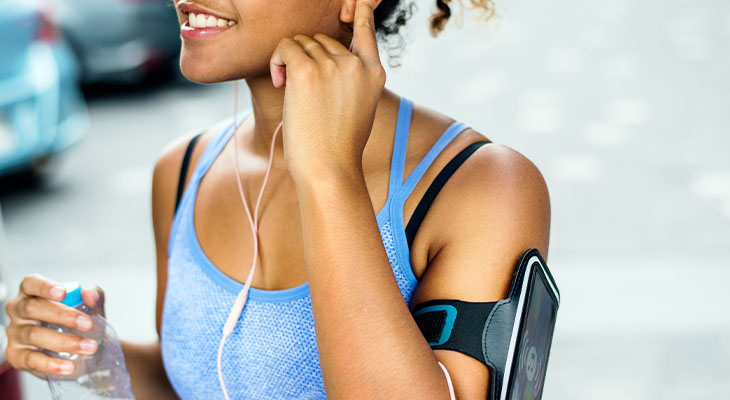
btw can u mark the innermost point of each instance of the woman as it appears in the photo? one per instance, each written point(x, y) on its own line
point(329, 308)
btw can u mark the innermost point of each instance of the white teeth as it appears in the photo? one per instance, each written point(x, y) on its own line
point(203, 21)
point(200, 21)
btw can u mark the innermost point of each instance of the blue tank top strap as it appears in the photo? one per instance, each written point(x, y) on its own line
point(400, 145)
point(216, 145)
point(446, 137)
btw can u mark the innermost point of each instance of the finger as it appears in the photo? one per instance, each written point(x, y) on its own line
point(38, 285)
point(35, 361)
point(313, 48)
point(36, 308)
point(56, 341)
point(287, 53)
point(364, 42)
point(94, 299)
point(332, 45)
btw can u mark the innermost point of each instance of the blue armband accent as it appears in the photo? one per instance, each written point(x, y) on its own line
point(448, 312)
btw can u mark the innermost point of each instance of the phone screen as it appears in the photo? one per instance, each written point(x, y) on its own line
point(533, 346)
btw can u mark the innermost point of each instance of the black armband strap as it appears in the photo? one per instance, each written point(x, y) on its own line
point(454, 325)
point(512, 336)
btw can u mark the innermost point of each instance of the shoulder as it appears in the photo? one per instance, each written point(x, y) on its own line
point(169, 159)
point(172, 153)
point(493, 208)
point(495, 183)
point(166, 173)
point(496, 179)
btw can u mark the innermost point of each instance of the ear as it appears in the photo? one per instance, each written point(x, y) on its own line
point(347, 12)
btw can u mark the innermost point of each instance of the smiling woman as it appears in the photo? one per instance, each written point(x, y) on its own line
point(351, 235)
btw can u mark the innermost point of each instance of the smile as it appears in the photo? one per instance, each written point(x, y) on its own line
point(202, 17)
point(200, 22)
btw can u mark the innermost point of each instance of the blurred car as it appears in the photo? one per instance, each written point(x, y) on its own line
point(42, 110)
point(120, 40)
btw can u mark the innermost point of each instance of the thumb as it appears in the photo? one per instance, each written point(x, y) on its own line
point(94, 299)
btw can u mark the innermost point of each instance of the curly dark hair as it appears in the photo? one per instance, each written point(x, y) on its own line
point(391, 15)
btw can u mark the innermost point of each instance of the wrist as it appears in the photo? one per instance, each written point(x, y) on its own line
point(328, 174)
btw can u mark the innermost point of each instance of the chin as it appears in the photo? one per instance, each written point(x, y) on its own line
point(199, 67)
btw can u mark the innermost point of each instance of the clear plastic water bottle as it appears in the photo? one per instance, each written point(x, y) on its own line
point(102, 375)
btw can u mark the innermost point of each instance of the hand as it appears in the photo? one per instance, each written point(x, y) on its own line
point(331, 96)
point(38, 300)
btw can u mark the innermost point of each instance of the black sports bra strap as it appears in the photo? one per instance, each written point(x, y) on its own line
point(436, 186)
point(184, 169)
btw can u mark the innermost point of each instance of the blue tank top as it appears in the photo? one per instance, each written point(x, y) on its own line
point(272, 352)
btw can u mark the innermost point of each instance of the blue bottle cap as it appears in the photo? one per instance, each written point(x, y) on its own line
point(73, 294)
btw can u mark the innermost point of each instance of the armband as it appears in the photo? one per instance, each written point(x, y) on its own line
point(512, 336)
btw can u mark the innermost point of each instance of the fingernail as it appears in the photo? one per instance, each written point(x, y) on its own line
point(88, 345)
point(66, 367)
point(57, 292)
point(83, 322)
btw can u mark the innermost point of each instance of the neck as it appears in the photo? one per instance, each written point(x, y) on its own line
point(256, 132)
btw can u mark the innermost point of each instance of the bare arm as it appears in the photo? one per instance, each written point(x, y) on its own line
point(144, 362)
point(368, 341)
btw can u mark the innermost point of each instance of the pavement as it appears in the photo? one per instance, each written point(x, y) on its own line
point(622, 105)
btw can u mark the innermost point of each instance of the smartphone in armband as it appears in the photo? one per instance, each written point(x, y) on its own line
point(511, 336)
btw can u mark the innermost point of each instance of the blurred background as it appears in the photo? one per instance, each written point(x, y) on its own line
point(623, 106)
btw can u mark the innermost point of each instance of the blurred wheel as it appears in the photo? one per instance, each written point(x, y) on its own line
point(162, 72)
point(45, 171)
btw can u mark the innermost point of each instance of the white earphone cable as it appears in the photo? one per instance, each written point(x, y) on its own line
point(240, 301)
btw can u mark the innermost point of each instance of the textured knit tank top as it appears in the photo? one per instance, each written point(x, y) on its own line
point(272, 352)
